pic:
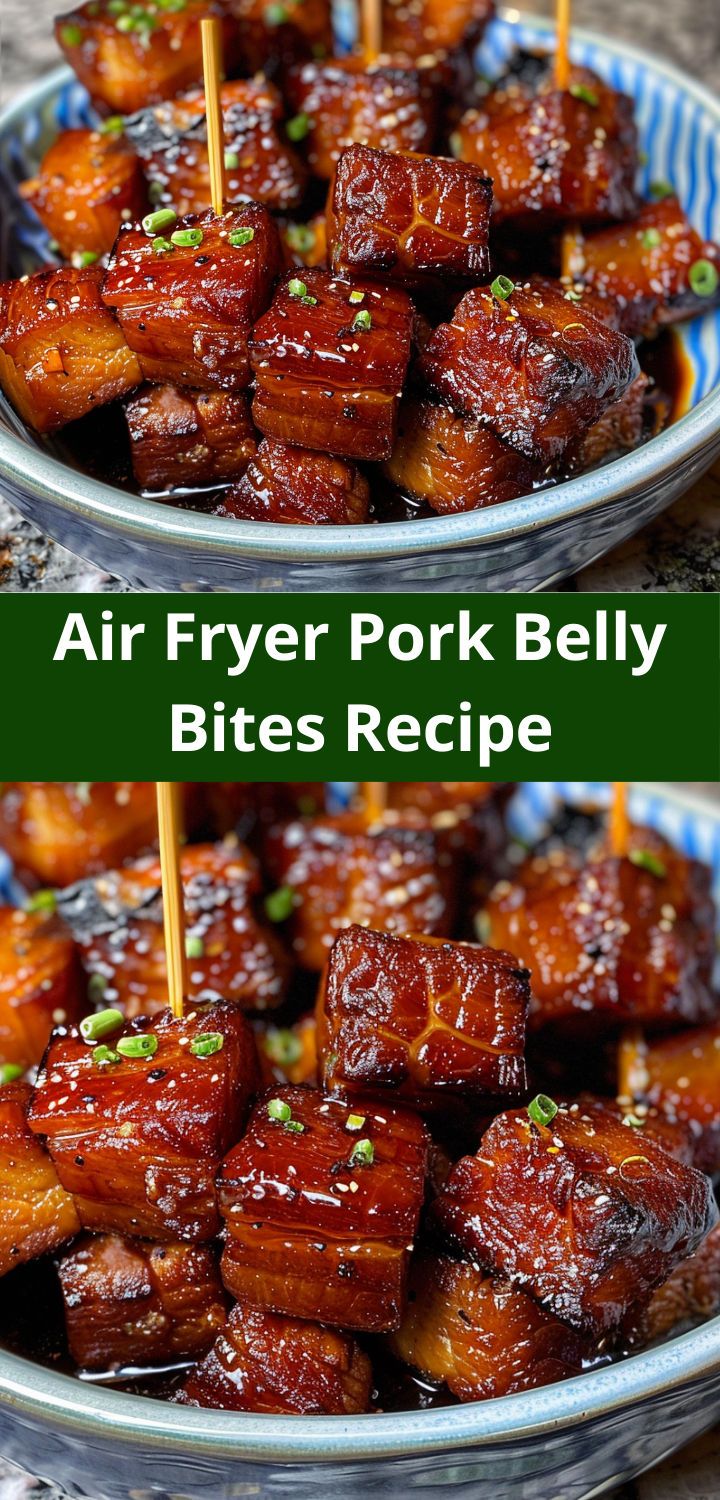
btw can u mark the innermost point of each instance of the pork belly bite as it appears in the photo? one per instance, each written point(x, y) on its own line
point(137, 1124)
point(40, 981)
point(556, 155)
point(335, 871)
point(421, 1017)
point(620, 429)
point(62, 353)
point(454, 463)
point(57, 831)
point(321, 1203)
point(680, 1076)
point(579, 1212)
point(690, 1295)
point(128, 1302)
point(343, 101)
point(262, 1362)
point(330, 358)
point(297, 485)
point(531, 365)
point(88, 184)
point(273, 38)
point(480, 1335)
point(432, 26)
point(403, 217)
point(232, 954)
point(188, 291)
point(38, 1215)
point(188, 439)
point(657, 268)
point(609, 942)
point(134, 56)
point(171, 139)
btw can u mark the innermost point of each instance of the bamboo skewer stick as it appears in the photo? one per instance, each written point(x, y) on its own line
point(571, 253)
point(619, 822)
point(173, 909)
point(371, 29)
point(212, 73)
point(562, 48)
point(374, 800)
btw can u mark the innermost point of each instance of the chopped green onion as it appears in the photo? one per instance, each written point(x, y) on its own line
point(588, 96)
point(455, 143)
point(114, 126)
point(161, 245)
point(116, 7)
point(105, 1055)
point(41, 901)
point(172, 5)
point(125, 24)
point(162, 218)
point(275, 15)
point(86, 258)
point(232, 160)
point(207, 1044)
point(502, 288)
point(138, 1046)
point(650, 239)
point(278, 1110)
point(71, 36)
point(355, 1122)
point(97, 985)
point(662, 189)
point(542, 1110)
point(241, 237)
point(9, 1072)
point(634, 1121)
point(309, 301)
point(362, 322)
point(282, 1046)
point(187, 239)
point(362, 1154)
point(194, 947)
point(703, 277)
point(646, 860)
point(156, 192)
point(297, 288)
point(356, 297)
point(300, 237)
point(298, 127)
point(279, 903)
point(94, 1028)
point(296, 1126)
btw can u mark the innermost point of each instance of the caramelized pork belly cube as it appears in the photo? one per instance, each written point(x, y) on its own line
point(142, 53)
point(690, 1295)
point(452, 462)
point(187, 310)
point(402, 216)
point(40, 983)
point(320, 329)
point(38, 1215)
point(188, 439)
point(58, 831)
point(620, 429)
point(432, 26)
point(274, 37)
point(680, 1075)
point(321, 1203)
point(62, 353)
point(580, 1212)
point(128, 1302)
point(468, 817)
point(535, 368)
point(233, 955)
point(337, 871)
point(305, 244)
point(88, 184)
point(171, 139)
point(605, 944)
point(422, 1017)
point(237, 808)
point(657, 268)
point(137, 1135)
point(555, 156)
point(264, 1362)
point(343, 101)
point(297, 485)
point(480, 1335)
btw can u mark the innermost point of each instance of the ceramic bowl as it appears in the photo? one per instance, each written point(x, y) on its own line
point(568, 1441)
point(525, 544)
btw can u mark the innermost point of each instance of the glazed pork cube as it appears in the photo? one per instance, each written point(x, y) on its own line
point(62, 353)
point(58, 831)
point(690, 1295)
point(233, 954)
point(607, 943)
point(263, 1362)
point(128, 1302)
point(138, 1123)
point(577, 1211)
point(454, 463)
point(656, 268)
point(88, 184)
point(403, 217)
point(337, 871)
point(680, 1076)
point(318, 329)
point(188, 439)
point(343, 101)
point(433, 26)
point(481, 1336)
point(188, 291)
point(38, 1215)
point(555, 156)
point(620, 429)
point(297, 485)
point(128, 56)
point(422, 1017)
point(468, 818)
point(535, 368)
point(274, 37)
point(40, 981)
point(171, 139)
point(321, 1203)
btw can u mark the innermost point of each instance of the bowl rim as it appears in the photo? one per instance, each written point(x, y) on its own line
point(88, 1410)
point(47, 479)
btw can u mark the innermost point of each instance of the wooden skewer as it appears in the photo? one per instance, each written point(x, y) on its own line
point(374, 799)
point(211, 34)
point(633, 1077)
point(371, 28)
point(562, 48)
point(173, 910)
point(572, 260)
point(619, 819)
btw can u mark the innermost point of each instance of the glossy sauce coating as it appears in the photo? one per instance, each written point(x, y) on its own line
point(344, 101)
point(644, 266)
point(40, 983)
point(453, 462)
point(296, 485)
point(181, 438)
point(88, 184)
point(58, 831)
point(38, 1214)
